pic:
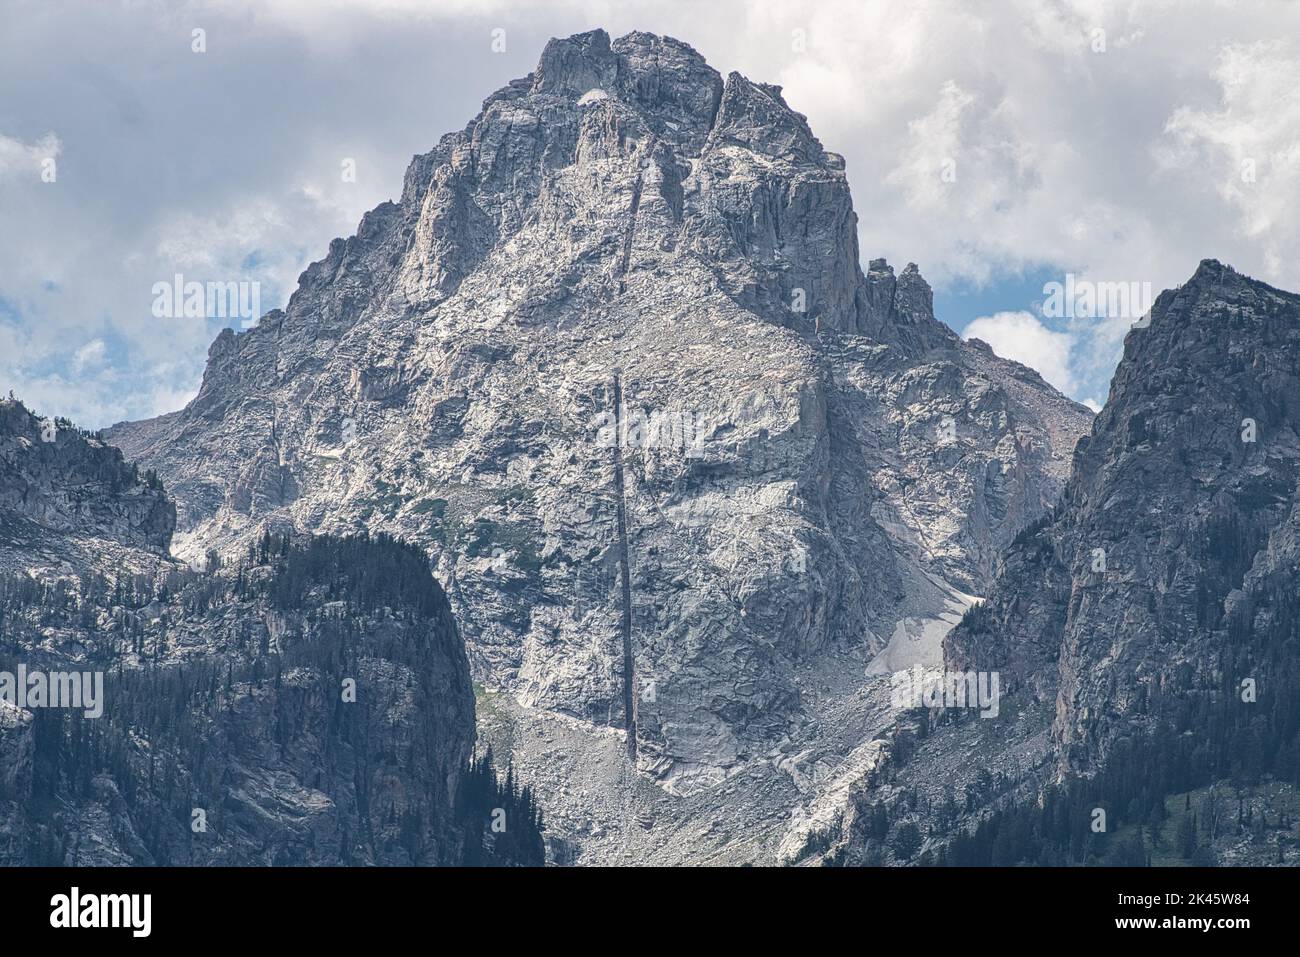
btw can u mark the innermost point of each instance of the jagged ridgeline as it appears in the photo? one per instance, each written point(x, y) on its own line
point(1147, 629)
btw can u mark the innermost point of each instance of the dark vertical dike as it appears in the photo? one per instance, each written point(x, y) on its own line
point(625, 575)
point(625, 259)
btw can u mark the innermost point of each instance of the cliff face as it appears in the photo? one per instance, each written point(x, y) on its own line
point(65, 495)
point(290, 711)
point(808, 456)
point(308, 703)
point(1143, 631)
point(1176, 536)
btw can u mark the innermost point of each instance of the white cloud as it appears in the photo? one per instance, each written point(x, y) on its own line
point(24, 160)
point(933, 142)
point(1021, 337)
point(1121, 165)
point(1247, 150)
point(89, 356)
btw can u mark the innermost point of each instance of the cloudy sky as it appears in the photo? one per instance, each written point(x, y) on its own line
point(1001, 146)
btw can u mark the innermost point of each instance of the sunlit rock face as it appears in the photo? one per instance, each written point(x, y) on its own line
point(803, 454)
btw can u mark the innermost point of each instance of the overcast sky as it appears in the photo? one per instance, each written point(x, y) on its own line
point(998, 145)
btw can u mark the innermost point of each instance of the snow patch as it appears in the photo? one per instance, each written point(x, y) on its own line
point(919, 641)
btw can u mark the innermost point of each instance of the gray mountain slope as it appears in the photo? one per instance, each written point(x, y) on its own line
point(1155, 603)
point(808, 460)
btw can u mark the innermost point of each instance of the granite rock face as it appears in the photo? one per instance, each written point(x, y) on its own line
point(1178, 528)
point(802, 454)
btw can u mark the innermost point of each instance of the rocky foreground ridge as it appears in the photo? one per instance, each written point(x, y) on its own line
point(305, 703)
point(65, 496)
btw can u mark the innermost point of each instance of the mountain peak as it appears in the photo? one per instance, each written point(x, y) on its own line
point(1221, 279)
point(664, 79)
point(1213, 302)
point(1182, 498)
point(626, 230)
point(576, 64)
point(899, 309)
point(756, 116)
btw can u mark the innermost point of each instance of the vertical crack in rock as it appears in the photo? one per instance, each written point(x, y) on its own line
point(624, 574)
point(631, 229)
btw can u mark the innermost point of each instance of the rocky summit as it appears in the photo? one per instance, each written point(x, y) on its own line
point(686, 471)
